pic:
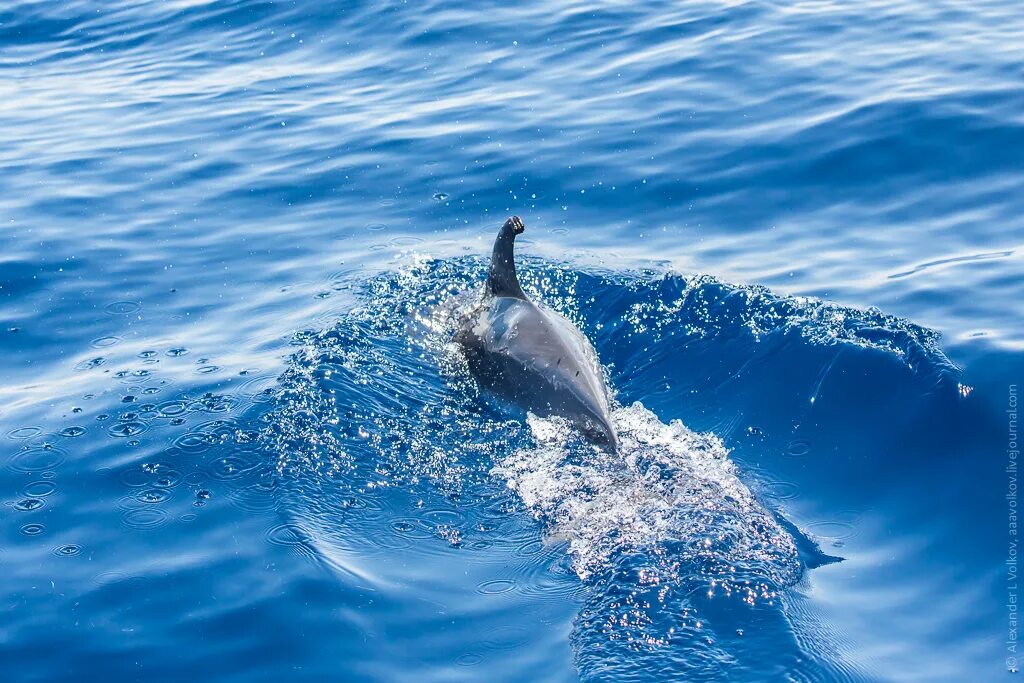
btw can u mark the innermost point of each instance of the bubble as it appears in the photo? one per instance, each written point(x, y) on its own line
point(495, 587)
point(122, 307)
point(40, 489)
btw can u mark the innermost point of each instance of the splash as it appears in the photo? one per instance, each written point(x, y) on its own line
point(668, 485)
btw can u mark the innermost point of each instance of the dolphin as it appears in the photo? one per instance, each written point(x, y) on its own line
point(531, 355)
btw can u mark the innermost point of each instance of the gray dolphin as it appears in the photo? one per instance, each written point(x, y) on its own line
point(532, 355)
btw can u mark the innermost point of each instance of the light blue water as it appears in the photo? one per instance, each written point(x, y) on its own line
point(237, 445)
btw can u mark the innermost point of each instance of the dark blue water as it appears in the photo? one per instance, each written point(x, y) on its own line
point(237, 443)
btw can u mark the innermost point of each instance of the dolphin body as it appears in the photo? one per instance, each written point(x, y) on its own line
point(532, 355)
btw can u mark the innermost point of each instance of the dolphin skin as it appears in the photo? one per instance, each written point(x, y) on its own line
point(531, 355)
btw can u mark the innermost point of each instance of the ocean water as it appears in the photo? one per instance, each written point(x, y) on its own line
point(236, 443)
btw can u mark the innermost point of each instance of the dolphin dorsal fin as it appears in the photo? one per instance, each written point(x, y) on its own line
point(502, 279)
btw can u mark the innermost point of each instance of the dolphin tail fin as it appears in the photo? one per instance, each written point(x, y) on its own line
point(502, 279)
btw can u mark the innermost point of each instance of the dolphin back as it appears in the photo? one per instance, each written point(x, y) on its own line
point(530, 354)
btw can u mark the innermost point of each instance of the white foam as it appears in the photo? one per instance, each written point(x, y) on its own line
point(668, 484)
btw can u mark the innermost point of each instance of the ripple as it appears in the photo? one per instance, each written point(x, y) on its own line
point(781, 490)
point(72, 431)
point(39, 489)
point(469, 659)
point(496, 586)
point(834, 531)
point(530, 548)
point(67, 550)
point(177, 351)
point(208, 369)
point(22, 433)
point(167, 478)
point(195, 442)
point(104, 342)
point(412, 527)
point(230, 467)
point(507, 638)
point(135, 477)
point(37, 459)
point(122, 307)
point(33, 529)
point(90, 364)
point(125, 429)
point(255, 498)
point(144, 518)
point(798, 448)
point(285, 535)
point(153, 496)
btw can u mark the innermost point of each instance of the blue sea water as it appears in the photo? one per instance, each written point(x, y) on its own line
point(236, 443)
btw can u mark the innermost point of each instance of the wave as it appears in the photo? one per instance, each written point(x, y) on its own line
point(377, 420)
